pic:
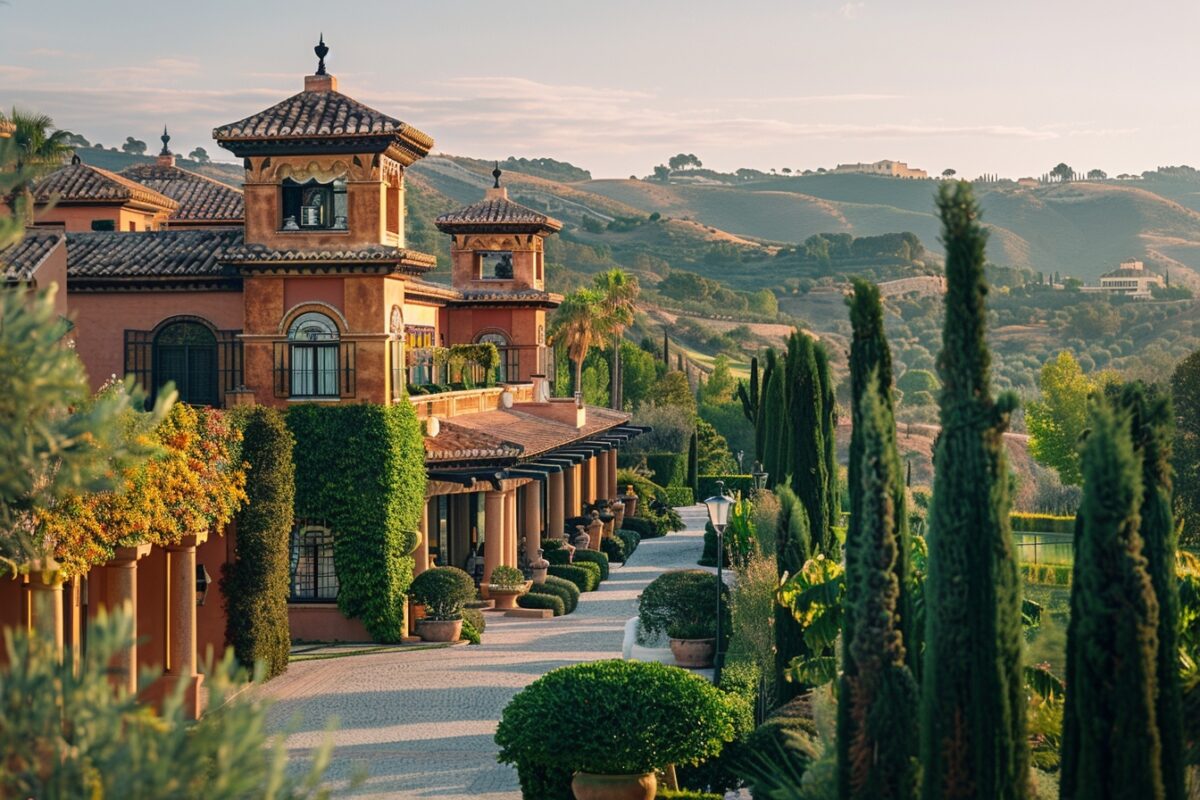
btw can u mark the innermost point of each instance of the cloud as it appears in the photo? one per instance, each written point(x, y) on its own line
point(852, 10)
point(9, 72)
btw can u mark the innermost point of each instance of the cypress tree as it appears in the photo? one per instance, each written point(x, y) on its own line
point(776, 425)
point(1152, 429)
point(806, 453)
point(793, 547)
point(761, 422)
point(666, 350)
point(748, 394)
point(1110, 743)
point(693, 464)
point(877, 720)
point(973, 742)
point(829, 417)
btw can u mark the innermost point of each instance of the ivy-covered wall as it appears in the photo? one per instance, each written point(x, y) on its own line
point(361, 469)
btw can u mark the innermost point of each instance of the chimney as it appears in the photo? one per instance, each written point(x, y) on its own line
point(321, 81)
point(165, 157)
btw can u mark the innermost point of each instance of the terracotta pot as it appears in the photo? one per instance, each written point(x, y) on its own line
point(418, 612)
point(539, 574)
point(587, 786)
point(439, 630)
point(505, 596)
point(693, 653)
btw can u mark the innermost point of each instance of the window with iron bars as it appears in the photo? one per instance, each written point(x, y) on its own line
point(203, 363)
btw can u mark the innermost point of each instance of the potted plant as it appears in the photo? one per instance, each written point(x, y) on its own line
point(506, 585)
point(683, 605)
point(635, 717)
point(442, 591)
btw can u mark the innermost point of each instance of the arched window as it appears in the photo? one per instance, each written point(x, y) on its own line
point(186, 352)
point(504, 369)
point(314, 577)
point(313, 339)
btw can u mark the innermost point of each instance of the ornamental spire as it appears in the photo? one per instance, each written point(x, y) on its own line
point(321, 50)
point(496, 173)
point(166, 140)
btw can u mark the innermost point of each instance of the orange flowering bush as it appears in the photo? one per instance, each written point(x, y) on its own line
point(194, 482)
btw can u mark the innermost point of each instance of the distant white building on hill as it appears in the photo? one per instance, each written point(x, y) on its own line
point(890, 169)
point(1131, 278)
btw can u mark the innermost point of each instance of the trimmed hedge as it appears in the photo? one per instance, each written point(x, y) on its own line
point(667, 469)
point(360, 469)
point(1041, 523)
point(708, 558)
point(734, 484)
point(740, 681)
point(787, 738)
point(680, 496)
point(647, 527)
point(561, 588)
point(559, 555)
point(595, 557)
point(631, 539)
point(543, 601)
point(613, 547)
point(579, 574)
point(256, 583)
point(1047, 574)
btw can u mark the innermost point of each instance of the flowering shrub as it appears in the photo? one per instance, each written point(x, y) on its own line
point(194, 482)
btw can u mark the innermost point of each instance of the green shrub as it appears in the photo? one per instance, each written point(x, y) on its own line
point(643, 487)
point(654, 715)
point(559, 556)
point(1047, 574)
point(667, 469)
point(361, 468)
point(613, 548)
point(256, 583)
point(667, 518)
point(631, 540)
point(476, 617)
point(740, 682)
point(680, 496)
point(443, 591)
point(682, 604)
point(578, 574)
point(734, 485)
point(708, 556)
point(687, 794)
point(550, 545)
point(506, 577)
point(1041, 523)
point(787, 739)
point(561, 588)
point(470, 632)
point(540, 600)
point(646, 527)
point(594, 557)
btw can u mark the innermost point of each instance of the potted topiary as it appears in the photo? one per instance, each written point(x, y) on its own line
point(653, 715)
point(683, 605)
point(506, 585)
point(443, 591)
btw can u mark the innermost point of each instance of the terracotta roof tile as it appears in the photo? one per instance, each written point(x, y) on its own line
point(497, 212)
point(200, 198)
point(522, 429)
point(152, 254)
point(18, 262)
point(76, 183)
point(510, 296)
point(243, 253)
point(461, 443)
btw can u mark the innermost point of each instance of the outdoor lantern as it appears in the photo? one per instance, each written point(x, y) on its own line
point(740, 455)
point(718, 508)
point(760, 476)
point(203, 579)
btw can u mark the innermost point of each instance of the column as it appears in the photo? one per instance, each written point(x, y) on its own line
point(571, 491)
point(613, 490)
point(493, 534)
point(120, 594)
point(593, 492)
point(421, 554)
point(533, 520)
point(510, 528)
point(181, 621)
point(556, 524)
point(602, 477)
point(460, 530)
point(46, 602)
point(587, 485)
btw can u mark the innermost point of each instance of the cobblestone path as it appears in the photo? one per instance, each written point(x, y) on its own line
point(421, 723)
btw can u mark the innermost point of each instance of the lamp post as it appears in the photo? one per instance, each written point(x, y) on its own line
point(718, 515)
point(760, 476)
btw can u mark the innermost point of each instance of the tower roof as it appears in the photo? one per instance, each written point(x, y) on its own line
point(82, 183)
point(496, 213)
point(200, 198)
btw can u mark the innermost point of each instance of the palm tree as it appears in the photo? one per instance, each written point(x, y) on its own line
point(38, 149)
point(620, 291)
point(579, 323)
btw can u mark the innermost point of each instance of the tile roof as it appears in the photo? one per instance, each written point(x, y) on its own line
point(421, 288)
point(1126, 272)
point(200, 198)
point(242, 253)
point(83, 183)
point(460, 443)
point(18, 262)
point(520, 428)
point(321, 114)
point(497, 212)
point(510, 296)
point(170, 254)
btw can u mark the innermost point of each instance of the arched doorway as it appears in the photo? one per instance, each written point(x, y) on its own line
point(185, 351)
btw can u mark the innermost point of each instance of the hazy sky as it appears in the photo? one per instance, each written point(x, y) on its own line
point(617, 86)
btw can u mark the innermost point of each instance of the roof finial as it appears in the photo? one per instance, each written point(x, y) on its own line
point(321, 50)
point(166, 139)
point(496, 173)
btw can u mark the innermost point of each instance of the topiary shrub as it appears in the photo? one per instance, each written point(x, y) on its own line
point(646, 527)
point(579, 574)
point(740, 681)
point(631, 540)
point(786, 741)
point(613, 548)
point(506, 577)
point(443, 591)
point(543, 601)
point(669, 469)
point(256, 583)
point(594, 557)
point(561, 588)
point(559, 556)
point(680, 496)
point(654, 715)
point(682, 605)
point(361, 468)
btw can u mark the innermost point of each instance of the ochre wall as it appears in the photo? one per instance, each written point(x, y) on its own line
point(526, 249)
point(323, 622)
point(101, 321)
point(78, 219)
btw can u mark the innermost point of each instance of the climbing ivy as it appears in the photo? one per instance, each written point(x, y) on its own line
point(361, 470)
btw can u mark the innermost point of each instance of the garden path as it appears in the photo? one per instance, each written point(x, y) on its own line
point(421, 723)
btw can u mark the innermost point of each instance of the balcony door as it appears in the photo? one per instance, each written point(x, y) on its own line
point(186, 353)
